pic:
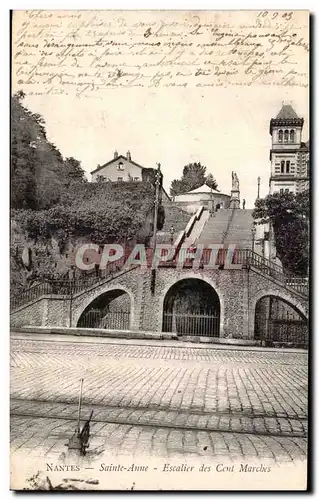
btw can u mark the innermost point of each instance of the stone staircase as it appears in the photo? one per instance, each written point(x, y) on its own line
point(197, 229)
point(215, 228)
point(239, 232)
point(228, 226)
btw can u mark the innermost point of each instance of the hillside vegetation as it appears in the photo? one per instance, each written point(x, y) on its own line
point(53, 207)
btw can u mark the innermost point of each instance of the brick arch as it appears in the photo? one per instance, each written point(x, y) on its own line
point(197, 277)
point(79, 308)
point(283, 296)
point(280, 295)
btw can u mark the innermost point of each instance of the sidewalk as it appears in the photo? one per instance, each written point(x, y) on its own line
point(157, 341)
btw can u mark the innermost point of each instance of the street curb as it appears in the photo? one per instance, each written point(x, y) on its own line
point(83, 335)
point(95, 332)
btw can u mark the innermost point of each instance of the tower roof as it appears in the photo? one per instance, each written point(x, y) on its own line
point(287, 116)
point(286, 113)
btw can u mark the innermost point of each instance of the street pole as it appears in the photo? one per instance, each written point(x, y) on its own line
point(258, 189)
point(157, 183)
point(156, 204)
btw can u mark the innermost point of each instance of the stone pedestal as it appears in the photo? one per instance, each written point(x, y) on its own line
point(234, 199)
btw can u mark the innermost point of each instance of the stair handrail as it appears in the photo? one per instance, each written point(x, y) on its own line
point(272, 269)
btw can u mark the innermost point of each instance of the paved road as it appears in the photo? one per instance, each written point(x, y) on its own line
point(165, 401)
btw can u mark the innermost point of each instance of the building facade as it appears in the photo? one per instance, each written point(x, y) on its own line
point(289, 156)
point(202, 196)
point(120, 168)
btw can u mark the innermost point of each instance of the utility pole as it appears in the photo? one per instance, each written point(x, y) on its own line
point(258, 189)
point(156, 204)
point(157, 185)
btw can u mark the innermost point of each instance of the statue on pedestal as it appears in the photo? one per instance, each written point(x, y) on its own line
point(235, 181)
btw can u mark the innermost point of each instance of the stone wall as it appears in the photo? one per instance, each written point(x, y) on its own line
point(238, 291)
point(32, 314)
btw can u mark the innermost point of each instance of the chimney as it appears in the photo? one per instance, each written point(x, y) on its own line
point(128, 156)
point(116, 155)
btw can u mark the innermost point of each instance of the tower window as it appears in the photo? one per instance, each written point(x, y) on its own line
point(280, 135)
point(287, 166)
point(120, 166)
point(286, 135)
point(282, 166)
point(292, 136)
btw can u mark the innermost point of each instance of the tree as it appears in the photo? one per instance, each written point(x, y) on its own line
point(73, 171)
point(194, 176)
point(211, 181)
point(288, 215)
point(39, 175)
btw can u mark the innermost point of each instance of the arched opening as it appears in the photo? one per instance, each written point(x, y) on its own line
point(280, 135)
point(292, 136)
point(286, 135)
point(276, 320)
point(192, 308)
point(218, 206)
point(111, 310)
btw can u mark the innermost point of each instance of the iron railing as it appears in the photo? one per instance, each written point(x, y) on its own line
point(112, 320)
point(201, 325)
point(284, 332)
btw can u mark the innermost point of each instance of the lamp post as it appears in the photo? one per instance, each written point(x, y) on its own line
point(253, 233)
point(157, 184)
point(156, 203)
point(258, 188)
point(172, 230)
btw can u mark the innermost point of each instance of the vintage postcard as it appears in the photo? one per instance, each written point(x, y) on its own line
point(160, 169)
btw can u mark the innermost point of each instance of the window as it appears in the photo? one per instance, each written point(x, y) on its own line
point(286, 135)
point(292, 136)
point(282, 166)
point(120, 166)
point(119, 179)
point(287, 166)
point(136, 178)
point(280, 135)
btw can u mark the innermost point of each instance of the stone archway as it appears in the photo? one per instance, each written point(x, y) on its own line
point(278, 320)
point(110, 310)
point(191, 307)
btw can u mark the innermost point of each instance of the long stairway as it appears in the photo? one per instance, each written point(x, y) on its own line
point(239, 232)
point(228, 226)
point(197, 229)
point(215, 228)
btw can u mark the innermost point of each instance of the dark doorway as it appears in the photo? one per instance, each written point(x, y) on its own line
point(192, 308)
point(110, 310)
point(278, 321)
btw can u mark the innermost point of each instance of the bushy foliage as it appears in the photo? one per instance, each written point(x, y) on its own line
point(288, 214)
point(194, 176)
point(51, 200)
point(39, 174)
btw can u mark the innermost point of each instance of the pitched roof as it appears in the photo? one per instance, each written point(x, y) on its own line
point(115, 159)
point(202, 189)
point(287, 113)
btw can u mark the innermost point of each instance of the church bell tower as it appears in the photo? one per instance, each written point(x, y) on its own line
point(285, 131)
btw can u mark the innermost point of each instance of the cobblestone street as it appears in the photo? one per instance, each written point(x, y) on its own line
point(166, 401)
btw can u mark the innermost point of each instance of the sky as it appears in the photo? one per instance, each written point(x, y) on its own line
point(223, 128)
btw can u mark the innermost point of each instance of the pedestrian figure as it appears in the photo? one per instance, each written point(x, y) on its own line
point(244, 204)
